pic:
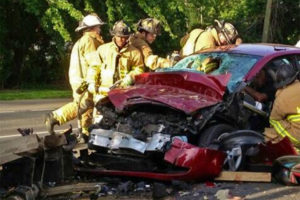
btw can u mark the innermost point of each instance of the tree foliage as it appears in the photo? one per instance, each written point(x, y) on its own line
point(34, 33)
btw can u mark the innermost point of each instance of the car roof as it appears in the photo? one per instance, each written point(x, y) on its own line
point(260, 49)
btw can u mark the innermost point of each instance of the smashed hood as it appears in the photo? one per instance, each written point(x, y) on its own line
point(185, 91)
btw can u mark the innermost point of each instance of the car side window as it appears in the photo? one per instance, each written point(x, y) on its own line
point(270, 75)
point(272, 66)
point(297, 61)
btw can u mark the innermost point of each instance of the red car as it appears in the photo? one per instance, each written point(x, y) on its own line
point(179, 123)
point(192, 120)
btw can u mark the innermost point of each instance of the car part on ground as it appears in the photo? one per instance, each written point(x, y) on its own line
point(286, 170)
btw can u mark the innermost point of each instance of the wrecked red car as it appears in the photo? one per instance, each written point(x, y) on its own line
point(178, 123)
point(211, 111)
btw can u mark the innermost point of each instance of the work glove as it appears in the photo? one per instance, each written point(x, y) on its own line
point(174, 57)
point(126, 81)
point(82, 88)
point(92, 88)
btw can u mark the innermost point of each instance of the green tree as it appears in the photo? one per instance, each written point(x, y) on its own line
point(34, 34)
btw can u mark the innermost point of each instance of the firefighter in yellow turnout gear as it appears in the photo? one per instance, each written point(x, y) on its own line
point(119, 61)
point(285, 114)
point(83, 56)
point(198, 39)
point(148, 29)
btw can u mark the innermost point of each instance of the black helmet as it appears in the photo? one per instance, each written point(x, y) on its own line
point(121, 29)
point(285, 75)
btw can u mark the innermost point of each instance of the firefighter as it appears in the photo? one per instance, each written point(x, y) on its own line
point(120, 62)
point(83, 56)
point(222, 33)
point(208, 65)
point(285, 114)
point(147, 31)
point(297, 44)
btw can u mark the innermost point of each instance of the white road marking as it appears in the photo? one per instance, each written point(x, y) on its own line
point(15, 111)
point(38, 133)
point(8, 111)
point(42, 109)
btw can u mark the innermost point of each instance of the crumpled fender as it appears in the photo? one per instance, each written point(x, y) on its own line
point(197, 164)
point(201, 162)
point(269, 152)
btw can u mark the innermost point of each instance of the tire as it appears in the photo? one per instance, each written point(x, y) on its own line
point(14, 197)
point(209, 136)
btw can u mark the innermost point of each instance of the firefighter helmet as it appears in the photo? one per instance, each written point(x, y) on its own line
point(286, 169)
point(209, 64)
point(228, 30)
point(120, 29)
point(285, 75)
point(150, 25)
point(89, 21)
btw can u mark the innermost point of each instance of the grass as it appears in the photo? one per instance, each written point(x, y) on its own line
point(34, 94)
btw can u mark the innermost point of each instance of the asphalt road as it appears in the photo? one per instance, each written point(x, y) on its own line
point(28, 114)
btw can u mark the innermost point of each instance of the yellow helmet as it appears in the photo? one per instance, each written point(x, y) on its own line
point(120, 29)
point(150, 25)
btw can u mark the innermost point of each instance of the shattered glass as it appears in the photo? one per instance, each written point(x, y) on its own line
point(238, 65)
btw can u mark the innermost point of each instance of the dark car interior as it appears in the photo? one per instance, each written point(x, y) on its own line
point(264, 84)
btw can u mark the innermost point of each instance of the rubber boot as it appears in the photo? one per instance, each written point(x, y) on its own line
point(50, 122)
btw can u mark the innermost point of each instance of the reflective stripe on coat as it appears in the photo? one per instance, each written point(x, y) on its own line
point(285, 114)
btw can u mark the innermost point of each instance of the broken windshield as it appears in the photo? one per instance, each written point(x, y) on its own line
point(216, 63)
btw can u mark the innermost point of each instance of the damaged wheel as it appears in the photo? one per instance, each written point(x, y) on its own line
point(209, 137)
point(239, 146)
point(235, 159)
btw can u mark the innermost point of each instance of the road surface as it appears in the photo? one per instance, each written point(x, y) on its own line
point(28, 114)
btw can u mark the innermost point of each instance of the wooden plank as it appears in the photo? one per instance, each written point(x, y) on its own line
point(244, 176)
point(76, 187)
point(10, 148)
